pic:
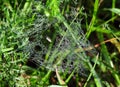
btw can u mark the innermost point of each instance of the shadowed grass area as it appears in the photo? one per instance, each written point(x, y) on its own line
point(59, 43)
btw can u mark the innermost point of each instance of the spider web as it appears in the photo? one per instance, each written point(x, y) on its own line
point(62, 53)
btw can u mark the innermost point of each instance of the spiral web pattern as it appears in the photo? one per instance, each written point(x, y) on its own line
point(62, 53)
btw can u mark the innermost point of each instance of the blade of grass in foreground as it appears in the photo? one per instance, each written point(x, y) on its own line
point(96, 5)
point(45, 78)
point(93, 72)
point(96, 78)
point(107, 59)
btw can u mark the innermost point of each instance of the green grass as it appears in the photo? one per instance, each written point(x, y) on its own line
point(77, 21)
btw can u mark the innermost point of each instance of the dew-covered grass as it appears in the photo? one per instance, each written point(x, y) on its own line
point(59, 43)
